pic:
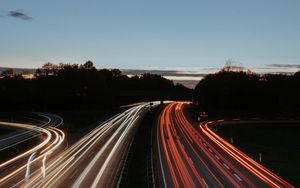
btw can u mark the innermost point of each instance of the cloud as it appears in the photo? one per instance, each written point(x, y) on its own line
point(287, 66)
point(164, 72)
point(19, 14)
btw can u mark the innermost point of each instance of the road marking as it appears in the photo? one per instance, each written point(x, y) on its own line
point(226, 166)
point(90, 153)
point(238, 177)
point(191, 160)
point(204, 144)
point(74, 173)
point(209, 150)
point(217, 157)
point(205, 183)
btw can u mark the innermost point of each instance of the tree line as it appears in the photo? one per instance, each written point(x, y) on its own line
point(239, 92)
point(74, 86)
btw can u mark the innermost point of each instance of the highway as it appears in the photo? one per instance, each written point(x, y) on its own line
point(192, 155)
point(23, 133)
point(19, 168)
point(96, 160)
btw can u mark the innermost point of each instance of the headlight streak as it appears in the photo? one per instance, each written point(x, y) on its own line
point(103, 167)
point(83, 175)
point(78, 146)
point(28, 165)
point(51, 149)
point(89, 167)
point(59, 137)
point(94, 138)
point(23, 133)
point(53, 143)
point(114, 134)
point(119, 127)
point(49, 135)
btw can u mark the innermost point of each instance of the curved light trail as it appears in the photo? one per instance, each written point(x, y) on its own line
point(260, 171)
point(194, 156)
point(21, 167)
point(97, 158)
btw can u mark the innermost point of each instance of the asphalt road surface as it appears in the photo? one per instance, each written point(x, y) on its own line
point(19, 168)
point(192, 155)
point(97, 159)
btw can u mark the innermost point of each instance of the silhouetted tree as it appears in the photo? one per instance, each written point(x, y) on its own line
point(88, 65)
point(116, 72)
point(82, 86)
point(246, 92)
point(49, 68)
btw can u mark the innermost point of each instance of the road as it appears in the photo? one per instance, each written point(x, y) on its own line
point(20, 167)
point(25, 132)
point(192, 155)
point(96, 160)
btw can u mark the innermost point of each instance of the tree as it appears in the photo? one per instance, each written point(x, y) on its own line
point(77, 86)
point(116, 72)
point(49, 68)
point(231, 65)
point(8, 72)
point(297, 74)
point(89, 65)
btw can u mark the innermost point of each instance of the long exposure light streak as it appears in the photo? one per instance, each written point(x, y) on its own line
point(195, 156)
point(24, 170)
point(245, 160)
point(84, 163)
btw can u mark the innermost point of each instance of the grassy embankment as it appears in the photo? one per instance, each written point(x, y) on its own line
point(278, 143)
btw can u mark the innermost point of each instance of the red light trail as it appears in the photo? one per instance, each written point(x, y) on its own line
point(195, 156)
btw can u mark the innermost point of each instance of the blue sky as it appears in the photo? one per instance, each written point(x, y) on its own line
point(150, 34)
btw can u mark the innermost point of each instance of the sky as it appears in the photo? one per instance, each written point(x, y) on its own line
point(151, 34)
